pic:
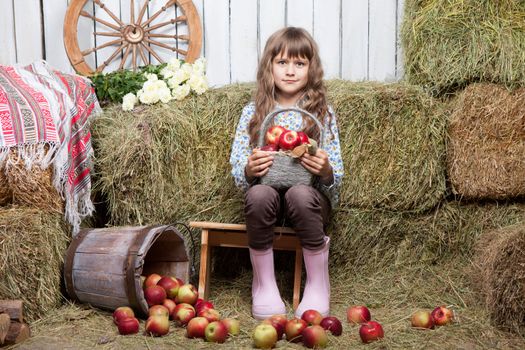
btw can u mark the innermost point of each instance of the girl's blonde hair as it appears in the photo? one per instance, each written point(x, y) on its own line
point(296, 43)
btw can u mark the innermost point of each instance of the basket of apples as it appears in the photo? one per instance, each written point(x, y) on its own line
point(287, 147)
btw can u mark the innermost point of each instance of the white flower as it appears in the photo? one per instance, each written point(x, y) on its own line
point(180, 91)
point(188, 68)
point(166, 72)
point(179, 77)
point(165, 95)
point(151, 76)
point(128, 102)
point(198, 83)
point(174, 64)
point(199, 66)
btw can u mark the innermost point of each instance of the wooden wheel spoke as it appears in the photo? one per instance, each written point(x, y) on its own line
point(126, 54)
point(162, 24)
point(142, 55)
point(108, 33)
point(112, 57)
point(142, 11)
point(132, 14)
point(152, 52)
point(89, 15)
point(109, 43)
point(157, 43)
point(134, 59)
point(156, 14)
point(177, 37)
point(105, 8)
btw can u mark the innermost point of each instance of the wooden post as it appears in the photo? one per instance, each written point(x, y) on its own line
point(5, 323)
point(18, 332)
point(13, 308)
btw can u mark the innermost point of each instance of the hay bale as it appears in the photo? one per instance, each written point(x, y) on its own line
point(500, 275)
point(6, 195)
point(32, 245)
point(173, 158)
point(393, 145)
point(33, 187)
point(448, 44)
point(485, 158)
point(372, 239)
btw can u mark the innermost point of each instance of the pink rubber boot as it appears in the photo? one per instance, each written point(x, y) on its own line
point(266, 300)
point(316, 294)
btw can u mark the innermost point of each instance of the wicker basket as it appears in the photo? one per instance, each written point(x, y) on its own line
point(287, 171)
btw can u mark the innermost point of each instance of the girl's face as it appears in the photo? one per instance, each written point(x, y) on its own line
point(290, 76)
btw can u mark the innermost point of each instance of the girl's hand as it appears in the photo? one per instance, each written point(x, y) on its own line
point(258, 165)
point(319, 165)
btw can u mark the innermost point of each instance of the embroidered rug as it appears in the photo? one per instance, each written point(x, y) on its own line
point(45, 115)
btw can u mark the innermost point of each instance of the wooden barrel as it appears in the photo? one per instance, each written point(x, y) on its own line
point(103, 267)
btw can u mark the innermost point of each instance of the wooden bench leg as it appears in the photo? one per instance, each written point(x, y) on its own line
point(204, 278)
point(297, 276)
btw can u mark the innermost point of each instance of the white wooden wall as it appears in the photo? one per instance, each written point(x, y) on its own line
point(358, 39)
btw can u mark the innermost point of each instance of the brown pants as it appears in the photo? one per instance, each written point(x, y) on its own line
point(305, 208)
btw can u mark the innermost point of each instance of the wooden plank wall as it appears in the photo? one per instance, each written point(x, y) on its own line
point(358, 39)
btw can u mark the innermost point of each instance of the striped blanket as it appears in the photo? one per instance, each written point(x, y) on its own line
point(45, 115)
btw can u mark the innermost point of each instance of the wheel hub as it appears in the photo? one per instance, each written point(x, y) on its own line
point(133, 34)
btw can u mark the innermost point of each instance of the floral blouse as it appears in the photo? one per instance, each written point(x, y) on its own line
point(292, 120)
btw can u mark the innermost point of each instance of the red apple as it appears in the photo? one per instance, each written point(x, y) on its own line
point(155, 295)
point(312, 317)
point(371, 331)
point(201, 304)
point(187, 294)
point(264, 336)
point(196, 327)
point(303, 138)
point(157, 326)
point(269, 148)
point(210, 314)
point(128, 325)
point(216, 332)
point(183, 313)
point(159, 310)
point(358, 314)
point(273, 134)
point(232, 325)
point(422, 319)
point(279, 328)
point(294, 328)
point(122, 312)
point(332, 324)
point(442, 315)
point(314, 337)
point(181, 282)
point(152, 280)
point(170, 285)
point(288, 140)
point(170, 305)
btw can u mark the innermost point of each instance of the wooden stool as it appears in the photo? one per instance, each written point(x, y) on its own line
point(214, 234)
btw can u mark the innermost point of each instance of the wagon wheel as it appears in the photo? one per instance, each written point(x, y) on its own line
point(135, 40)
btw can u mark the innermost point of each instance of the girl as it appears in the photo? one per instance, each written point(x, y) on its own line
point(289, 74)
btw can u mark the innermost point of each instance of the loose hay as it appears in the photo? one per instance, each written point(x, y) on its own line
point(173, 158)
point(449, 44)
point(486, 154)
point(500, 274)
point(32, 245)
point(392, 294)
